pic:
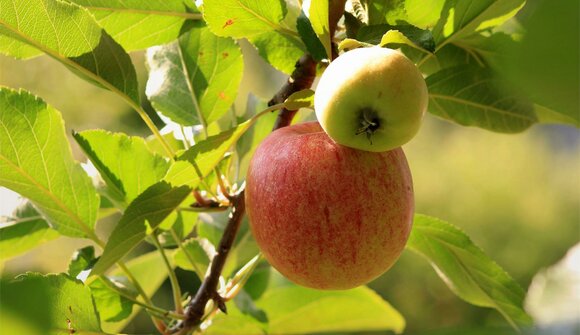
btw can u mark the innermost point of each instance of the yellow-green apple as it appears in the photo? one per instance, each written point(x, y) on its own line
point(371, 99)
point(328, 216)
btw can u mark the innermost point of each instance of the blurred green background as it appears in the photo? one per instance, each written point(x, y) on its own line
point(517, 196)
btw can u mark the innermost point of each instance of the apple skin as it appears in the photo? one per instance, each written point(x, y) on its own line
point(324, 215)
point(376, 84)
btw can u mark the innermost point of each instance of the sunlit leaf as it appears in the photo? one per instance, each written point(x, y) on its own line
point(473, 96)
point(466, 269)
point(300, 99)
point(51, 304)
point(243, 18)
point(36, 161)
point(460, 19)
point(69, 34)
point(386, 11)
point(139, 24)
point(384, 34)
point(280, 49)
point(145, 213)
point(194, 80)
point(201, 159)
point(22, 231)
point(124, 162)
point(360, 309)
point(318, 14)
point(423, 14)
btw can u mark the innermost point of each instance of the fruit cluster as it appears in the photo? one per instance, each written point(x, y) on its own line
point(331, 203)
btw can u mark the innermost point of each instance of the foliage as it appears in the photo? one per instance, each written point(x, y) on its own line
point(195, 67)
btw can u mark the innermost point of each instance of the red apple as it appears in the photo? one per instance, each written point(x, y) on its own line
point(328, 216)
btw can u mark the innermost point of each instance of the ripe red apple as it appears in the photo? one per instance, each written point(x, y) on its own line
point(328, 216)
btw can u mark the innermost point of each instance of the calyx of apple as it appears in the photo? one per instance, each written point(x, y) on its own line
point(371, 99)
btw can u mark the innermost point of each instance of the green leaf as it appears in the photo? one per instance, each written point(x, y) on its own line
point(549, 78)
point(195, 80)
point(243, 18)
point(139, 24)
point(360, 309)
point(384, 34)
point(279, 49)
point(300, 99)
point(246, 305)
point(423, 14)
point(111, 305)
point(145, 213)
point(199, 252)
point(318, 14)
point(150, 282)
point(386, 11)
point(473, 96)
point(203, 157)
point(81, 260)
point(24, 230)
point(466, 269)
point(69, 34)
point(124, 162)
point(51, 304)
point(460, 19)
point(36, 161)
point(310, 39)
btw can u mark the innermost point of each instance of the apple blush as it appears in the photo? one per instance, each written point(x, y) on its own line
point(324, 215)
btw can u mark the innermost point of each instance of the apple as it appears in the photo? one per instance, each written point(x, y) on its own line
point(371, 99)
point(324, 215)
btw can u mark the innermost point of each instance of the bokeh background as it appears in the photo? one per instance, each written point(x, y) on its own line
point(517, 196)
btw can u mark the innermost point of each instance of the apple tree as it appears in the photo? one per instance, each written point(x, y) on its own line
point(181, 192)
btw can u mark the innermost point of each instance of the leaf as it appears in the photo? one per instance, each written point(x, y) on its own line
point(460, 19)
point(243, 18)
point(81, 260)
point(69, 34)
point(147, 211)
point(200, 159)
point(139, 24)
point(359, 309)
point(318, 14)
point(200, 251)
point(549, 79)
point(124, 162)
point(36, 161)
point(279, 49)
point(386, 11)
point(351, 43)
point(150, 282)
point(24, 230)
point(111, 305)
point(384, 34)
point(195, 80)
point(423, 14)
point(246, 305)
point(466, 269)
point(309, 38)
point(52, 304)
point(300, 99)
point(473, 96)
